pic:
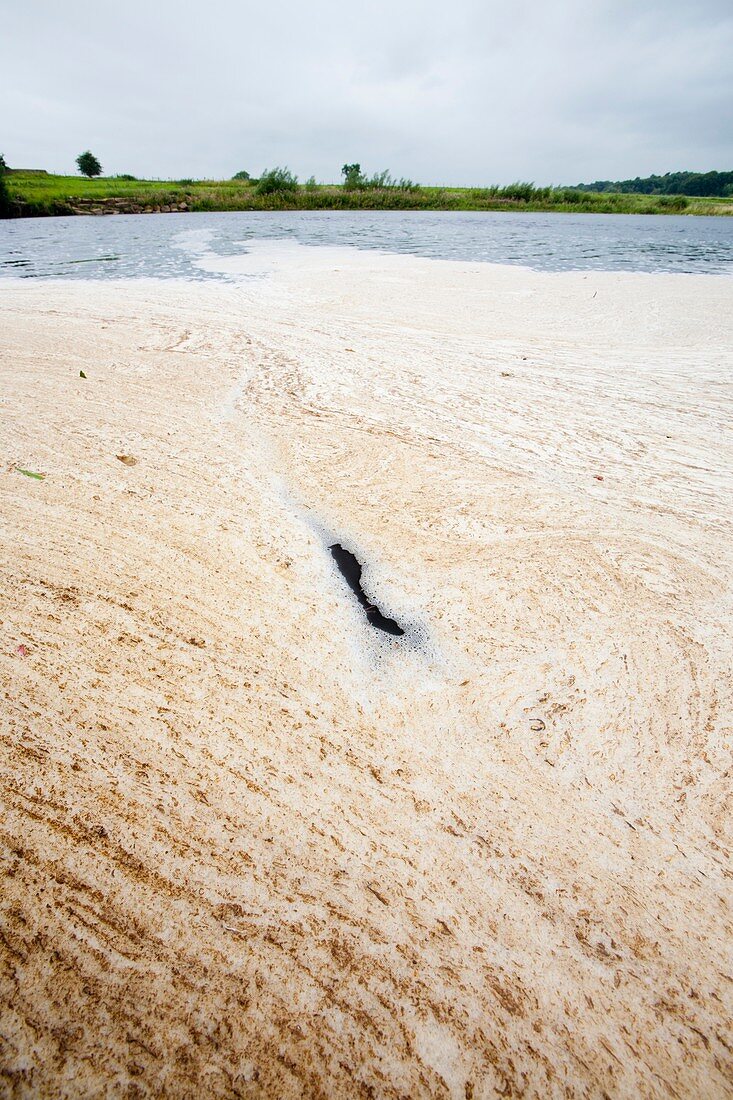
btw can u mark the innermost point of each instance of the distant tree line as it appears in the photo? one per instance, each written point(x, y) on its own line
point(704, 184)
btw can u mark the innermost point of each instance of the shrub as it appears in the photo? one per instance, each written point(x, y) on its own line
point(380, 181)
point(241, 175)
point(3, 165)
point(521, 191)
point(88, 164)
point(4, 197)
point(355, 180)
point(310, 184)
point(673, 202)
point(571, 196)
point(125, 176)
point(184, 183)
point(276, 181)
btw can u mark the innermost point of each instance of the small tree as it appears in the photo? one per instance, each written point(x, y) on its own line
point(353, 178)
point(3, 165)
point(241, 176)
point(88, 164)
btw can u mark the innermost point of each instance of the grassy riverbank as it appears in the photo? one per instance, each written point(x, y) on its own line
point(35, 195)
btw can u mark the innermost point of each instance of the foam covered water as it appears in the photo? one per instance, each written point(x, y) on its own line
point(188, 245)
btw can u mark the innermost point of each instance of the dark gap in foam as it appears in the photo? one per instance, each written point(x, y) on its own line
point(350, 569)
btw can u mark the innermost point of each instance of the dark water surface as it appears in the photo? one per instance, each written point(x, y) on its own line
point(351, 569)
point(172, 245)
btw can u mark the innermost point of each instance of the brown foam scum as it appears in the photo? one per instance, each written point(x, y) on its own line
point(242, 858)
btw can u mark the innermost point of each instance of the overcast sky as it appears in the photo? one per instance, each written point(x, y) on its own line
point(443, 91)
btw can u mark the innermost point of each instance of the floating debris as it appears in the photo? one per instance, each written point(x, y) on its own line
point(30, 473)
point(127, 460)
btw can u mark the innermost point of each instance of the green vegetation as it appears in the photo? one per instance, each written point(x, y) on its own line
point(5, 206)
point(355, 180)
point(31, 473)
point(700, 184)
point(276, 181)
point(352, 176)
point(88, 164)
point(34, 194)
point(241, 176)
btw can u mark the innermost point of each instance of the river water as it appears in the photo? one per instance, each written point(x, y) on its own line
point(184, 245)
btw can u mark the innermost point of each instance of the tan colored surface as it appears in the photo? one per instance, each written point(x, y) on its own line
point(250, 850)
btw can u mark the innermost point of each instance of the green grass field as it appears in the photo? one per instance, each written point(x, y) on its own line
point(34, 194)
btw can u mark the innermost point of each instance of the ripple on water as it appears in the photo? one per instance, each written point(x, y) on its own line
point(173, 245)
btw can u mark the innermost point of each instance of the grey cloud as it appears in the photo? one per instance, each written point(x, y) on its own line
point(468, 93)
